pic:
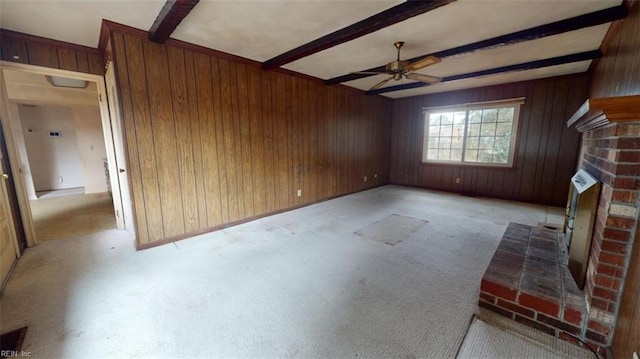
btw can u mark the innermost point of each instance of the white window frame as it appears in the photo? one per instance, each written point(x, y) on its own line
point(516, 103)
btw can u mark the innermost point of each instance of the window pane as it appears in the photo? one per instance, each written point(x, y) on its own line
point(443, 155)
point(485, 156)
point(488, 129)
point(503, 128)
point(474, 130)
point(473, 143)
point(475, 135)
point(459, 118)
point(505, 114)
point(471, 156)
point(486, 143)
point(489, 115)
point(434, 119)
point(434, 131)
point(456, 154)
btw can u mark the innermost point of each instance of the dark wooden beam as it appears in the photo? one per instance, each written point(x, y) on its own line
point(396, 14)
point(566, 59)
point(170, 16)
point(554, 28)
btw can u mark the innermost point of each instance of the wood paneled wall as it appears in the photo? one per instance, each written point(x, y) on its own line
point(546, 150)
point(212, 142)
point(618, 72)
point(34, 50)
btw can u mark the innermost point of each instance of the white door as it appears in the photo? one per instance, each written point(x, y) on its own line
point(118, 142)
point(8, 243)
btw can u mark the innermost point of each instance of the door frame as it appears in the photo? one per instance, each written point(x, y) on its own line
point(6, 118)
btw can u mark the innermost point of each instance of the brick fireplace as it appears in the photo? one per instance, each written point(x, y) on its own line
point(527, 278)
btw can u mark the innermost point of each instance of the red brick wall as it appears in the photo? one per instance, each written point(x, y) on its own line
point(612, 155)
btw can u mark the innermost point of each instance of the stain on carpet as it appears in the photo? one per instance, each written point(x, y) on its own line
point(391, 230)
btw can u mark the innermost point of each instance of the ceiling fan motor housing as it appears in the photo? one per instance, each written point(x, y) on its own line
point(396, 67)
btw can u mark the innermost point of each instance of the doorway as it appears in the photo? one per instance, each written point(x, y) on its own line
point(61, 141)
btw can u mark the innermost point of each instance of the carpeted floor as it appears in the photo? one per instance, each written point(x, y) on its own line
point(300, 284)
point(61, 214)
point(492, 340)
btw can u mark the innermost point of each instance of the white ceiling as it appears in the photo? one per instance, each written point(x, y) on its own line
point(262, 29)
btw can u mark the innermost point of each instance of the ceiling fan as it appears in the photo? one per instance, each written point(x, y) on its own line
point(402, 68)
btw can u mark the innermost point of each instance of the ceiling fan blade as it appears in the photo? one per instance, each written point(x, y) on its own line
point(423, 62)
point(368, 72)
point(424, 78)
point(381, 83)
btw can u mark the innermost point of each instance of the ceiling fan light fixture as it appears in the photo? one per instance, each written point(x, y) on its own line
point(66, 82)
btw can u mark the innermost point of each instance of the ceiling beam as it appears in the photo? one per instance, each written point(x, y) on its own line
point(170, 16)
point(396, 14)
point(560, 60)
point(554, 28)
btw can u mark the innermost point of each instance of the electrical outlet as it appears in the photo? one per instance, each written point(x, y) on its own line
point(458, 180)
point(60, 179)
point(375, 175)
point(299, 193)
point(365, 178)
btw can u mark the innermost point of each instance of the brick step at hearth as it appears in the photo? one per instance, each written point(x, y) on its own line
point(528, 281)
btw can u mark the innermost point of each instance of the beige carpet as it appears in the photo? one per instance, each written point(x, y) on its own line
point(298, 284)
point(71, 216)
point(484, 340)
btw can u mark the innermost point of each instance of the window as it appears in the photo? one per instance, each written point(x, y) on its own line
point(473, 134)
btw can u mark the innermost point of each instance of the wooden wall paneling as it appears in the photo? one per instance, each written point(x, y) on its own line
point(279, 96)
point(506, 188)
point(67, 59)
point(42, 54)
point(144, 137)
point(290, 128)
point(556, 124)
point(223, 78)
point(297, 158)
point(196, 141)
point(184, 149)
point(268, 120)
point(524, 124)
point(236, 138)
point(244, 123)
point(133, 158)
point(96, 63)
point(569, 138)
point(544, 140)
point(329, 138)
point(14, 50)
point(83, 62)
point(312, 129)
point(217, 160)
point(231, 160)
point(532, 138)
point(617, 73)
point(206, 76)
point(255, 110)
point(163, 130)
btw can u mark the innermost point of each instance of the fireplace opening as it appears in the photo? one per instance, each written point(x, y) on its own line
point(582, 206)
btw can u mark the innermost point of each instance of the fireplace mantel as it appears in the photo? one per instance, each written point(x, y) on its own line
point(597, 112)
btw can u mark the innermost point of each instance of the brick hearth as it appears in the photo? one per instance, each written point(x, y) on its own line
point(528, 280)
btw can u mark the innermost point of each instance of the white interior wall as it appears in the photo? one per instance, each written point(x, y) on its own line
point(55, 161)
point(93, 154)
